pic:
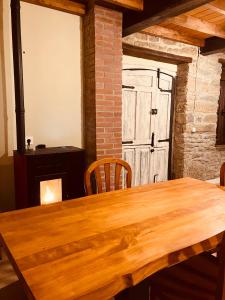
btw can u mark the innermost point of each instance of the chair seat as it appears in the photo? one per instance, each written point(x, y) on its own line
point(14, 291)
point(193, 279)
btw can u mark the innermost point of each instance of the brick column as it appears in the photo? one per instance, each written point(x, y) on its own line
point(103, 83)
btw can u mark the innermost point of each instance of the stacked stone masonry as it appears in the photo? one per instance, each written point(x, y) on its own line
point(196, 103)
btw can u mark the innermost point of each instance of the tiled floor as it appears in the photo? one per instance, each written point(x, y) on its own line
point(7, 275)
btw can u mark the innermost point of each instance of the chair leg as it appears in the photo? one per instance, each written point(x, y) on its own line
point(153, 295)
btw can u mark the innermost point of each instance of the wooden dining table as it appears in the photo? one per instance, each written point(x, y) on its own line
point(95, 247)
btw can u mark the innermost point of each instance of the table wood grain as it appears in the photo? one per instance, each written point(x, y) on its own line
point(94, 247)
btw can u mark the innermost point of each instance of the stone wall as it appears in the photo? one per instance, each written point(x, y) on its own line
point(197, 95)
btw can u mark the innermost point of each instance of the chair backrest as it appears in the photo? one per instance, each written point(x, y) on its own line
point(105, 180)
point(222, 175)
point(220, 292)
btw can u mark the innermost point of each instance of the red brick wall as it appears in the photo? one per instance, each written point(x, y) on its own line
point(103, 83)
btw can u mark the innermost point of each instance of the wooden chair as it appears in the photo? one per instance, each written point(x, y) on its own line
point(14, 291)
point(222, 175)
point(105, 164)
point(198, 278)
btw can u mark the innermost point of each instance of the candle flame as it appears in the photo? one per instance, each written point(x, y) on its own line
point(49, 196)
point(50, 191)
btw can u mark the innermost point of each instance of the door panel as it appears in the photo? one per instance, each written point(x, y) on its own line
point(129, 156)
point(137, 117)
point(142, 165)
point(139, 158)
point(162, 120)
point(165, 82)
point(143, 80)
point(129, 113)
point(147, 166)
point(159, 165)
point(143, 118)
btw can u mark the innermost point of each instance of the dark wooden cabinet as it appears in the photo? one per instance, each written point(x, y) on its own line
point(32, 167)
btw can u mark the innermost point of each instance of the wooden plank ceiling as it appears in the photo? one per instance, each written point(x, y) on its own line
point(78, 7)
point(203, 26)
point(196, 22)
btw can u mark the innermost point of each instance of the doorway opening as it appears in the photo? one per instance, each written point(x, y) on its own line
point(147, 118)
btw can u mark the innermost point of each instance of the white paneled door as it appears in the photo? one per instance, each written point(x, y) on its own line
point(146, 124)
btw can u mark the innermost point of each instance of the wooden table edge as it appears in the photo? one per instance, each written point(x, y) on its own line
point(16, 269)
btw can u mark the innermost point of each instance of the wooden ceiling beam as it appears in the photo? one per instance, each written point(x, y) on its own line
point(62, 5)
point(215, 9)
point(198, 25)
point(213, 45)
point(161, 56)
point(217, 6)
point(157, 11)
point(131, 4)
point(173, 35)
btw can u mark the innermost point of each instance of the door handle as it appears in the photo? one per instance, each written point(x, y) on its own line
point(166, 140)
point(154, 111)
point(153, 140)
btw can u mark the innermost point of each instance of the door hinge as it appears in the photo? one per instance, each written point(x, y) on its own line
point(158, 76)
point(153, 140)
point(166, 140)
point(128, 87)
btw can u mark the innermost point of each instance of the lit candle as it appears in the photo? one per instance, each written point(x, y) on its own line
point(50, 191)
point(49, 196)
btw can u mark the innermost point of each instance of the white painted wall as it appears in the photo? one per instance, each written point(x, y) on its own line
point(51, 43)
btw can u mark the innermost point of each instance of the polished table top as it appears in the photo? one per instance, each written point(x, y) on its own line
point(94, 247)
